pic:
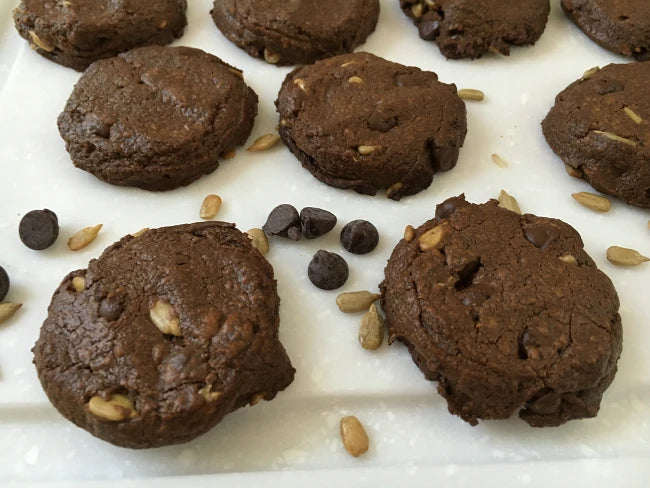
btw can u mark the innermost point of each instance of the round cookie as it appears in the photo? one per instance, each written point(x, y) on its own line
point(164, 335)
point(621, 26)
point(156, 117)
point(296, 32)
point(471, 28)
point(600, 127)
point(506, 312)
point(75, 33)
point(359, 121)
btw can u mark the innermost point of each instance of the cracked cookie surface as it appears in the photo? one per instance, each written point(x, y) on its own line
point(156, 117)
point(361, 122)
point(621, 26)
point(506, 312)
point(296, 32)
point(471, 28)
point(601, 127)
point(164, 335)
point(74, 33)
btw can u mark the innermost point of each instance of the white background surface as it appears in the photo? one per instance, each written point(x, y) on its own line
point(413, 438)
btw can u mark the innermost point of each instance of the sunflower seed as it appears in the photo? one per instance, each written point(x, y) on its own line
point(140, 232)
point(365, 150)
point(590, 72)
point(300, 83)
point(271, 57)
point(625, 257)
point(432, 238)
point(616, 138)
point(355, 79)
point(79, 283)
point(163, 315)
point(356, 301)
point(371, 331)
point(354, 437)
point(8, 309)
point(259, 240)
point(409, 233)
point(116, 409)
point(256, 399)
point(471, 94)
point(499, 161)
point(508, 202)
point(264, 142)
point(209, 395)
point(210, 207)
point(238, 73)
point(84, 237)
point(416, 10)
point(575, 172)
point(229, 154)
point(162, 25)
point(40, 42)
point(633, 115)
point(569, 259)
point(592, 201)
point(394, 188)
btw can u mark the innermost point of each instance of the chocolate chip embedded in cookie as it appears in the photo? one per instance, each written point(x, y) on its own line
point(361, 122)
point(470, 28)
point(506, 312)
point(621, 26)
point(288, 32)
point(164, 335)
point(156, 117)
point(600, 128)
point(75, 33)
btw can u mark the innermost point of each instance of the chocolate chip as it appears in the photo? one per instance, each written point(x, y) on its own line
point(604, 87)
point(283, 221)
point(39, 229)
point(447, 208)
point(110, 308)
point(316, 222)
point(381, 122)
point(540, 235)
point(4, 283)
point(429, 29)
point(327, 270)
point(359, 237)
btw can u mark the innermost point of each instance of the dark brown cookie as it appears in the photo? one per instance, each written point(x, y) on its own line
point(286, 33)
point(470, 28)
point(156, 117)
point(621, 26)
point(358, 121)
point(600, 126)
point(507, 312)
point(75, 33)
point(164, 335)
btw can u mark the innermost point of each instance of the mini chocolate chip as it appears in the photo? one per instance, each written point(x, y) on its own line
point(327, 270)
point(604, 87)
point(540, 235)
point(429, 29)
point(447, 208)
point(39, 229)
point(283, 221)
point(110, 308)
point(4, 283)
point(381, 122)
point(316, 222)
point(359, 237)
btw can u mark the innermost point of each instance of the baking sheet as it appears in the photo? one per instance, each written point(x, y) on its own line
point(294, 440)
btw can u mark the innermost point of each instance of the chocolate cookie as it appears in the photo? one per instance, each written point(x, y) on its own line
point(286, 33)
point(470, 28)
point(621, 26)
point(358, 121)
point(164, 335)
point(600, 126)
point(156, 117)
point(506, 312)
point(75, 33)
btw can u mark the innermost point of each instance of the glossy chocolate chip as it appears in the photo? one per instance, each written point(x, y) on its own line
point(39, 229)
point(316, 222)
point(429, 29)
point(604, 87)
point(540, 235)
point(4, 283)
point(359, 237)
point(327, 270)
point(111, 308)
point(283, 221)
point(447, 208)
point(381, 122)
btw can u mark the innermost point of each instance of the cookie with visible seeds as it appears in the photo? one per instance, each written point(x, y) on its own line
point(74, 33)
point(164, 335)
point(506, 312)
point(288, 32)
point(471, 28)
point(621, 26)
point(600, 127)
point(156, 117)
point(361, 122)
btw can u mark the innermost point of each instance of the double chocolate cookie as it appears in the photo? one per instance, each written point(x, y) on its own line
point(75, 33)
point(507, 312)
point(621, 26)
point(359, 121)
point(470, 28)
point(600, 127)
point(156, 117)
point(296, 32)
point(164, 335)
